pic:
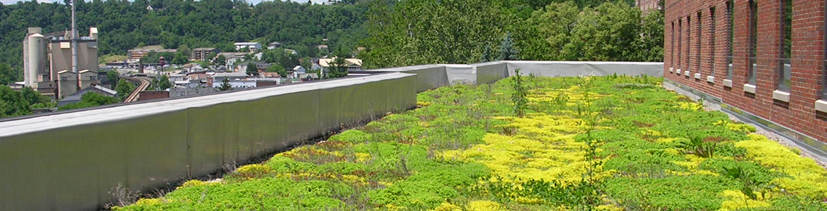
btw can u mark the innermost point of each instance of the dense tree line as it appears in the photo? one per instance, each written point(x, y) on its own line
point(16, 103)
point(125, 24)
point(608, 32)
point(412, 32)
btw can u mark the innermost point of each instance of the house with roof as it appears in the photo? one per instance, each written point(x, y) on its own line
point(232, 57)
point(323, 48)
point(265, 74)
point(216, 79)
point(308, 77)
point(352, 64)
point(251, 46)
point(273, 45)
point(299, 69)
point(242, 67)
point(296, 71)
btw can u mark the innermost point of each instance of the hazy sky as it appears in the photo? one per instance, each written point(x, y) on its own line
point(7, 2)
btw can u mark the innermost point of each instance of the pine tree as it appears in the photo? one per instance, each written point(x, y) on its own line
point(225, 85)
point(486, 54)
point(507, 51)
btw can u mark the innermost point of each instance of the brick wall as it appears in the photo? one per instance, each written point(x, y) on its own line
point(808, 54)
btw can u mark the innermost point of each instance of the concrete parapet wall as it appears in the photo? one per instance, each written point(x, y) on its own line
point(428, 76)
point(72, 161)
point(489, 72)
point(570, 69)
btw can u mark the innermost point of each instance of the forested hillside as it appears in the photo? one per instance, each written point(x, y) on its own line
point(125, 24)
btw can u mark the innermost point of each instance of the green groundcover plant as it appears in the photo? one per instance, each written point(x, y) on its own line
point(581, 143)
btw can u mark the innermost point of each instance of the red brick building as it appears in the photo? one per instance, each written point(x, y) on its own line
point(764, 57)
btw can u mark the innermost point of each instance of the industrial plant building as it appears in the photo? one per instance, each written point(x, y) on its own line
point(763, 58)
point(47, 62)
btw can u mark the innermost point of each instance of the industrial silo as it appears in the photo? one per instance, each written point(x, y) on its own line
point(36, 58)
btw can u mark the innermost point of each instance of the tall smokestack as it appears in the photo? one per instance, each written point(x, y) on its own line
point(75, 45)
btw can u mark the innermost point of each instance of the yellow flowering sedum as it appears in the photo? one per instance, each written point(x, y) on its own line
point(804, 175)
point(484, 206)
point(543, 149)
point(738, 201)
point(447, 206)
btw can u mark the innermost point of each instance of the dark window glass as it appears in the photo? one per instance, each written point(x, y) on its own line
point(688, 43)
point(680, 42)
point(712, 25)
point(731, 34)
point(787, 46)
point(698, 44)
point(753, 41)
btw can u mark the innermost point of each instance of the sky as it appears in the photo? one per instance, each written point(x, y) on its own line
point(7, 2)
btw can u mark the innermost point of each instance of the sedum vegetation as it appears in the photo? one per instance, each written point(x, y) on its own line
point(586, 143)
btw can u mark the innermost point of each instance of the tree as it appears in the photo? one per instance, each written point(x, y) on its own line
point(545, 34)
point(35, 99)
point(124, 89)
point(12, 103)
point(609, 32)
point(402, 33)
point(91, 99)
point(610, 35)
point(651, 40)
point(163, 83)
point(507, 51)
point(226, 47)
point(7, 74)
point(32, 97)
point(486, 54)
point(288, 60)
point(337, 69)
point(220, 60)
point(185, 50)
point(306, 63)
point(225, 85)
point(279, 69)
point(252, 70)
point(153, 85)
point(179, 58)
point(113, 78)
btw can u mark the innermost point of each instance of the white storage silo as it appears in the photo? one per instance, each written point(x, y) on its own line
point(36, 53)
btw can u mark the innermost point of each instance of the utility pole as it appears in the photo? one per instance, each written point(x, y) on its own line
point(75, 46)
